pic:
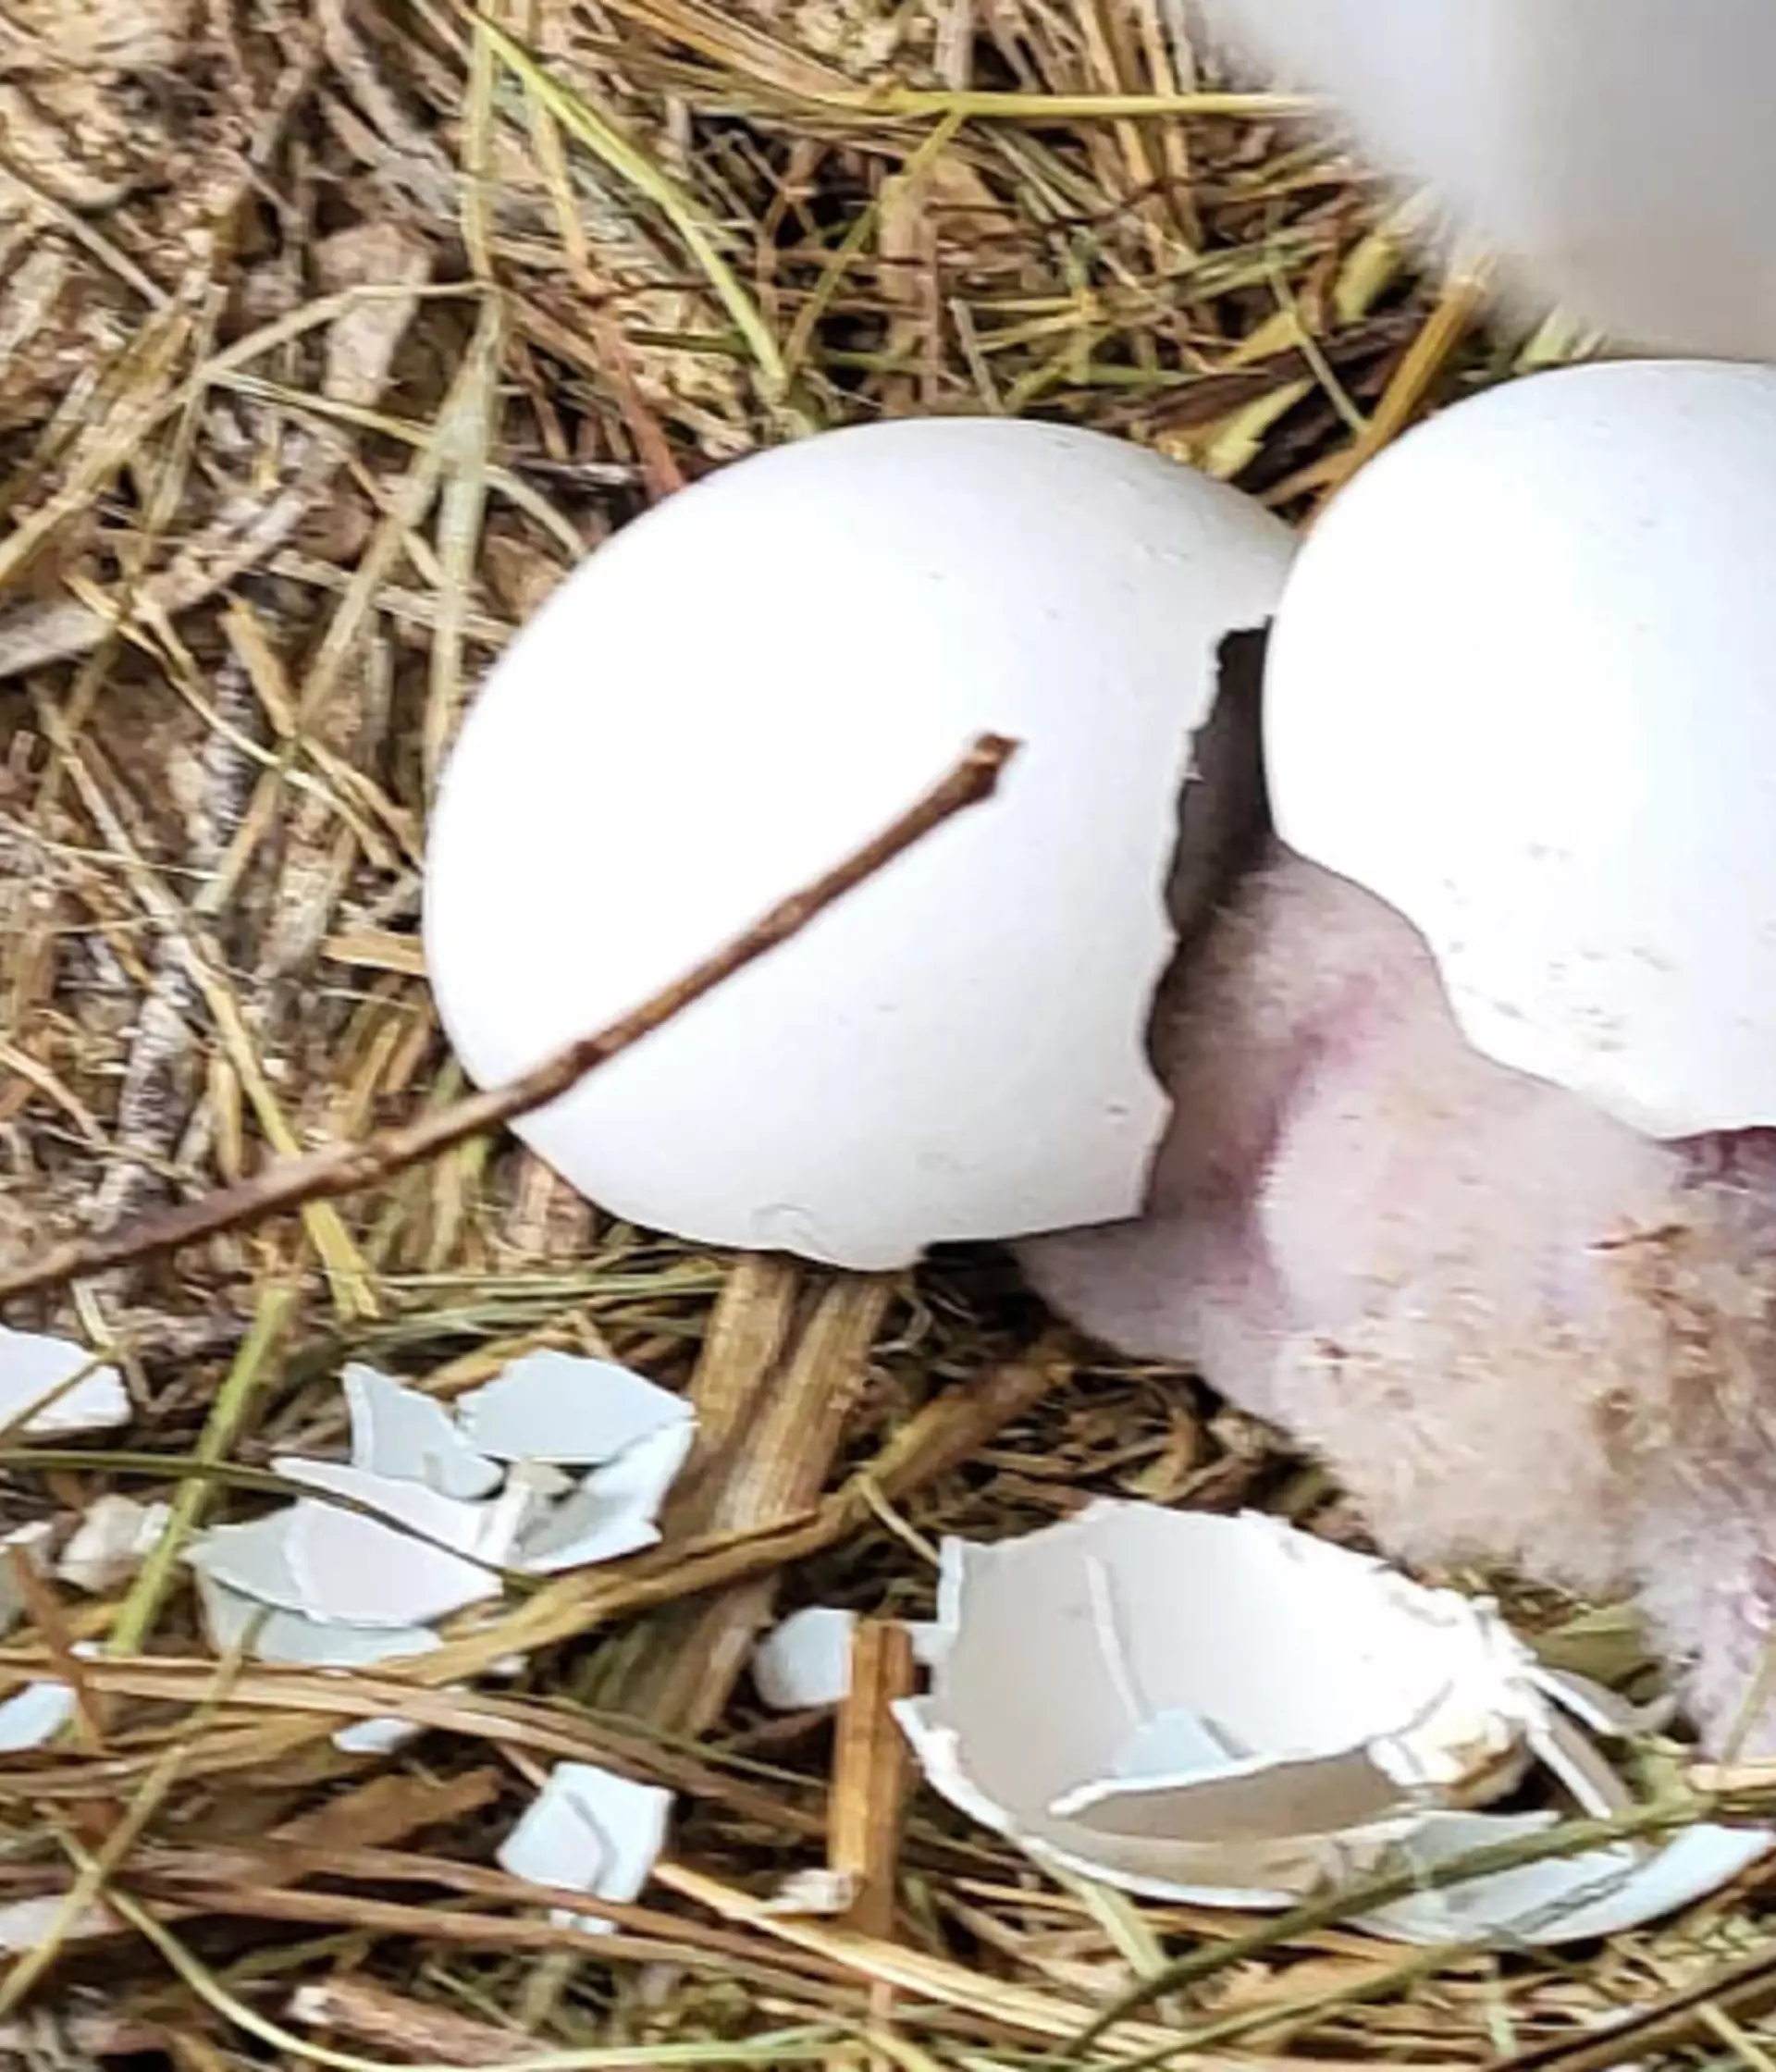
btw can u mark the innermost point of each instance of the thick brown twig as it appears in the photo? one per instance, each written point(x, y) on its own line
point(871, 1775)
point(290, 1183)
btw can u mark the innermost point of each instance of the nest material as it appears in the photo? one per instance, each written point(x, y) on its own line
point(329, 335)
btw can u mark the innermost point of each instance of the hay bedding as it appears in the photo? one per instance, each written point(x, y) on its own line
point(329, 335)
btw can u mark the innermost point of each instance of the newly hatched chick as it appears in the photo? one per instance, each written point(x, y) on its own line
point(1468, 1181)
point(1514, 1327)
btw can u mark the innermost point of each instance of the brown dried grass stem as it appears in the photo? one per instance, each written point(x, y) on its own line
point(292, 1183)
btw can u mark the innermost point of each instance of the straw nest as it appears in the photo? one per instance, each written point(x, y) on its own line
point(330, 335)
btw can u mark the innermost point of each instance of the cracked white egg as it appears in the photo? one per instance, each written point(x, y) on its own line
point(733, 695)
point(1519, 687)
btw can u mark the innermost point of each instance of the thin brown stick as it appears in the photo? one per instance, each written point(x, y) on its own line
point(290, 1183)
point(1744, 1990)
point(871, 1774)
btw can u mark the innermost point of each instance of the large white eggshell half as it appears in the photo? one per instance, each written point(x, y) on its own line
point(1528, 125)
point(735, 693)
point(1522, 686)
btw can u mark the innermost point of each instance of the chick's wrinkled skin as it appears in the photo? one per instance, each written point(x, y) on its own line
point(1517, 1329)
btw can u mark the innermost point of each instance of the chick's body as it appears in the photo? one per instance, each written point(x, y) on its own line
point(1516, 1328)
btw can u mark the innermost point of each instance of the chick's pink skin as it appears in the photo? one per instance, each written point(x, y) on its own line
point(1517, 1329)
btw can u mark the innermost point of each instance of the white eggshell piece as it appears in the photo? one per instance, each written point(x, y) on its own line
point(1560, 1899)
point(358, 1572)
point(452, 1521)
point(34, 1716)
point(584, 1531)
point(1605, 1711)
point(36, 1375)
point(354, 1571)
point(230, 1618)
point(615, 1509)
point(288, 1638)
point(589, 1832)
point(26, 1924)
point(1527, 125)
point(1521, 686)
point(397, 1431)
point(111, 1543)
point(251, 1560)
point(381, 1736)
point(813, 1894)
point(1231, 1712)
point(738, 691)
point(563, 1408)
point(804, 1662)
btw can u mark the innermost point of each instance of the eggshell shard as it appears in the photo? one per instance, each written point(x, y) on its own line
point(615, 1511)
point(319, 1583)
point(1520, 686)
point(110, 1542)
point(354, 1571)
point(233, 1620)
point(34, 1717)
point(1233, 1713)
point(734, 694)
point(251, 1560)
point(1560, 1899)
point(398, 1431)
point(589, 1832)
point(33, 1542)
point(563, 1408)
point(382, 1737)
point(49, 1385)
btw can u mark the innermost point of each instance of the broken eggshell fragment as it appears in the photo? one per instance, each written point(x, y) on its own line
point(235, 1621)
point(591, 1831)
point(344, 1588)
point(1232, 1712)
point(112, 1540)
point(872, 1087)
point(1560, 1899)
point(614, 1509)
point(317, 1558)
point(1598, 535)
point(1221, 1703)
point(359, 1572)
point(804, 1662)
point(49, 1385)
point(397, 1431)
point(567, 1410)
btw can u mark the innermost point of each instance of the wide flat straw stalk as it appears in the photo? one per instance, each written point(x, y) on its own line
point(782, 1366)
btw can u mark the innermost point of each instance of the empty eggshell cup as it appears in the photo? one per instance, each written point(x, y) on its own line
point(1231, 1712)
point(734, 694)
